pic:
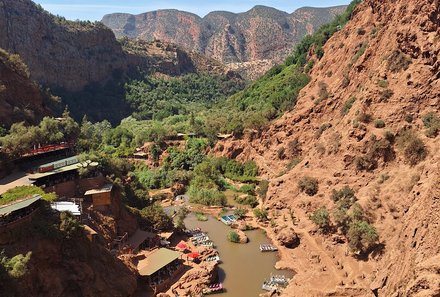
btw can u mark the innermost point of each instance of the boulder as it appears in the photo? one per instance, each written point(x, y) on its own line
point(288, 238)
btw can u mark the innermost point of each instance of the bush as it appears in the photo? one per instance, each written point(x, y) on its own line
point(398, 61)
point(321, 218)
point(379, 123)
point(413, 147)
point(432, 122)
point(309, 185)
point(321, 130)
point(382, 83)
point(240, 212)
point(16, 266)
point(263, 187)
point(346, 197)
point(207, 197)
point(364, 117)
point(233, 236)
point(201, 217)
point(70, 226)
point(261, 214)
point(361, 236)
point(248, 189)
point(155, 217)
point(294, 147)
point(248, 200)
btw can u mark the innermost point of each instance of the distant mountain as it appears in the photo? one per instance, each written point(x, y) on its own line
point(262, 33)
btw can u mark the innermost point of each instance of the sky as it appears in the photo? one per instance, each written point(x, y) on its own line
point(94, 10)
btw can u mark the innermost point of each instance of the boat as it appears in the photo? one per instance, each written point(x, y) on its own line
point(198, 235)
point(269, 286)
point(213, 288)
point(213, 258)
point(200, 239)
point(275, 282)
point(280, 280)
point(268, 248)
point(207, 243)
point(193, 231)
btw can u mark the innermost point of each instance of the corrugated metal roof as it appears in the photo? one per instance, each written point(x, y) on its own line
point(76, 166)
point(66, 206)
point(156, 261)
point(17, 205)
point(105, 189)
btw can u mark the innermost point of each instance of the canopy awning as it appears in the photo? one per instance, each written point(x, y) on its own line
point(156, 261)
point(138, 238)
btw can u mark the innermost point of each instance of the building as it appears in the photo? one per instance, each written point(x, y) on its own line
point(60, 176)
point(101, 197)
point(16, 214)
point(159, 267)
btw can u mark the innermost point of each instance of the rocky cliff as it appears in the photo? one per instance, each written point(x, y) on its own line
point(20, 98)
point(84, 64)
point(368, 120)
point(73, 55)
point(259, 34)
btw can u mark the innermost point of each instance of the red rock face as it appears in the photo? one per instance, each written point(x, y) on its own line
point(258, 34)
point(387, 58)
point(20, 97)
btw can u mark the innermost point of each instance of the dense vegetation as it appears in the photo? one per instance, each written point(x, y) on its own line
point(157, 98)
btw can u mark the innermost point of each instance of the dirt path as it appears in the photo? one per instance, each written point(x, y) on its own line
point(14, 180)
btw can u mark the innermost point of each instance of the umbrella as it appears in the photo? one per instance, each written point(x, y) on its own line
point(193, 255)
point(181, 245)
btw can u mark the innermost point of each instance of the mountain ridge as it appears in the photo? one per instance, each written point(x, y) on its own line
point(226, 36)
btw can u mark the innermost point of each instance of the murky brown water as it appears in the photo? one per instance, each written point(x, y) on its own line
point(244, 267)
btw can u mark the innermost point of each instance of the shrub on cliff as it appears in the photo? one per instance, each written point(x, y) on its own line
point(346, 196)
point(16, 266)
point(432, 122)
point(309, 185)
point(321, 218)
point(361, 236)
point(261, 214)
point(413, 147)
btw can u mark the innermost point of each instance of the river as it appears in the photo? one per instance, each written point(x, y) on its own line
point(243, 268)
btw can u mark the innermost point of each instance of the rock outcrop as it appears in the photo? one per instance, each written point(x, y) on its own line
point(287, 237)
point(262, 33)
point(381, 69)
point(20, 98)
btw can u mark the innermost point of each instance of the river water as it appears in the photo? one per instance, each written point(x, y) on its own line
point(243, 268)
